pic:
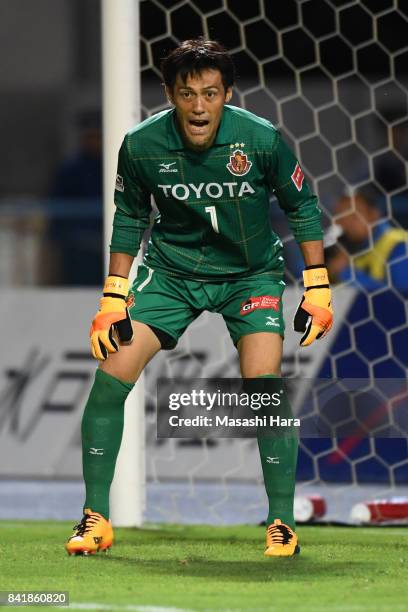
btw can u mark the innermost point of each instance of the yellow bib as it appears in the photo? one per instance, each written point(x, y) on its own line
point(374, 262)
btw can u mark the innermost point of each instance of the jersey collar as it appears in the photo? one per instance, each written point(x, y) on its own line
point(224, 133)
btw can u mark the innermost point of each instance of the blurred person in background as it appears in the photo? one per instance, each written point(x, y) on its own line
point(80, 175)
point(76, 224)
point(371, 252)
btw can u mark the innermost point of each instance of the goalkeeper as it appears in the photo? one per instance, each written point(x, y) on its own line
point(211, 169)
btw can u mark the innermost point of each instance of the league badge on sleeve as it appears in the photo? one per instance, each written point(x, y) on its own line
point(297, 177)
point(119, 184)
point(239, 163)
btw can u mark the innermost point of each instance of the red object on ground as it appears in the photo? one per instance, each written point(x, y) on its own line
point(309, 508)
point(381, 510)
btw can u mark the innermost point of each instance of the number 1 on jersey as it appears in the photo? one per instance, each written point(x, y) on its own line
point(213, 215)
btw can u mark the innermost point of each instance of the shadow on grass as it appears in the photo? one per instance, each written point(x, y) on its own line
point(196, 535)
point(266, 569)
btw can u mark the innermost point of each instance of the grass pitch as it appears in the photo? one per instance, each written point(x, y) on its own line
point(165, 567)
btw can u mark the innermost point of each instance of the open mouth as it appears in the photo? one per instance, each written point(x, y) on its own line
point(198, 123)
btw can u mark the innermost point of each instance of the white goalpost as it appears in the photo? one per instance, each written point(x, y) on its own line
point(121, 110)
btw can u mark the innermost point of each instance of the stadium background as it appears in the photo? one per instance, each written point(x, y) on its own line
point(336, 86)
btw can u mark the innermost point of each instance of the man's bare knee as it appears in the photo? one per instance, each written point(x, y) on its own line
point(260, 355)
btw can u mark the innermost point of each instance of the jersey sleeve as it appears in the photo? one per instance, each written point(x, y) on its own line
point(293, 193)
point(133, 206)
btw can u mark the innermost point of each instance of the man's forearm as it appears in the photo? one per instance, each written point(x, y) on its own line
point(120, 264)
point(312, 252)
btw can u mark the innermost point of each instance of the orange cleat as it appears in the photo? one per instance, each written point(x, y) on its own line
point(281, 541)
point(94, 533)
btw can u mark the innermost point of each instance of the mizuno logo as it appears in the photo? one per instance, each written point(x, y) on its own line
point(167, 167)
point(274, 460)
point(272, 321)
point(96, 451)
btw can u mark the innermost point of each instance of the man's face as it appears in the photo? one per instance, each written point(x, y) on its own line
point(199, 104)
point(355, 218)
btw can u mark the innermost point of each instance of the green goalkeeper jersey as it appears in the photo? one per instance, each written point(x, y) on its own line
point(213, 220)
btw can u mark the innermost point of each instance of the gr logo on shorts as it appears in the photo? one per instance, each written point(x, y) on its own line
point(263, 302)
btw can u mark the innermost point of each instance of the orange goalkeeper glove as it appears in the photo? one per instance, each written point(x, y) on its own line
point(314, 316)
point(112, 315)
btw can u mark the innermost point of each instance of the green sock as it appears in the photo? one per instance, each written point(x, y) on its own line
point(278, 458)
point(102, 428)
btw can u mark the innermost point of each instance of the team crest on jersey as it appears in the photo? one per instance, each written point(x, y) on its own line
point(239, 163)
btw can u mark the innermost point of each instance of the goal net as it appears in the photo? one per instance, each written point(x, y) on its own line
point(332, 75)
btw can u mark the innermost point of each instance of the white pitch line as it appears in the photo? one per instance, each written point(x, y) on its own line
point(134, 608)
point(125, 607)
point(316, 608)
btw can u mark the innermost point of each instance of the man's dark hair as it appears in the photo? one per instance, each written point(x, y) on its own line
point(195, 55)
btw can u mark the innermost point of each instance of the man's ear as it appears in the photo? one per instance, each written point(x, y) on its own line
point(169, 94)
point(228, 94)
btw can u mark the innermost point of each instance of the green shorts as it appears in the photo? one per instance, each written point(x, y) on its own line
point(169, 304)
